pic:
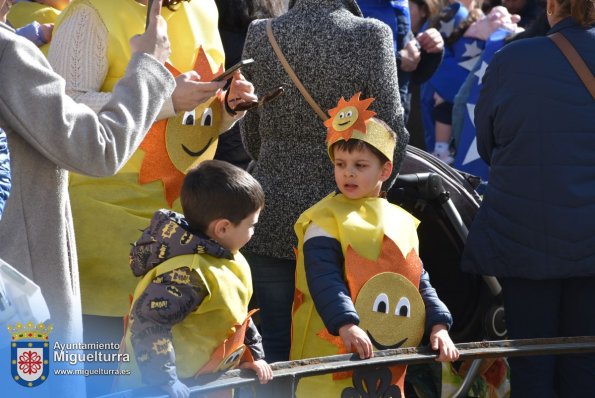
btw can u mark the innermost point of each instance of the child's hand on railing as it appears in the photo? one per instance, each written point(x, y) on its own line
point(440, 340)
point(262, 368)
point(177, 389)
point(356, 340)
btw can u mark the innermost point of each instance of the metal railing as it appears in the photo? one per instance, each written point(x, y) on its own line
point(287, 374)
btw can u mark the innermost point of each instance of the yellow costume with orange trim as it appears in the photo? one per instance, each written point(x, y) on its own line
point(25, 12)
point(381, 270)
point(211, 338)
point(379, 244)
point(121, 205)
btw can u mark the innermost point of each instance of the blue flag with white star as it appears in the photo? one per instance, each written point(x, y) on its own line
point(459, 59)
point(467, 158)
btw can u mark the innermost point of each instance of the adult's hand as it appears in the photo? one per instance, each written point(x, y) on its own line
point(410, 56)
point(154, 41)
point(46, 31)
point(240, 90)
point(190, 92)
point(499, 17)
point(431, 41)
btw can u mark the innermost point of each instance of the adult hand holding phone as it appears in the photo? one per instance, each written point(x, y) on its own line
point(154, 41)
point(240, 90)
point(190, 92)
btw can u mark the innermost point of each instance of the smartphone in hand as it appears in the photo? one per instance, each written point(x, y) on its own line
point(227, 74)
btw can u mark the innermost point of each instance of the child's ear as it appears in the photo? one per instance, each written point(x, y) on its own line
point(387, 169)
point(219, 227)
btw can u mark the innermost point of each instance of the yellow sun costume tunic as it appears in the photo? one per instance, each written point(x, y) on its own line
point(220, 316)
point(25, 12)
point(382, 271)
point(109, 212)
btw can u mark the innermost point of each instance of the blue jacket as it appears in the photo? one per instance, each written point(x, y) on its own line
point(535, 128)
point(331, 295)
point(4, 171)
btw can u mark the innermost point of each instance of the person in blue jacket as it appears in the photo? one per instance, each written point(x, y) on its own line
point(4, 171)
point(535, 229)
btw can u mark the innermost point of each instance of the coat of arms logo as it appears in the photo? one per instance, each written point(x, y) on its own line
point(30, 353)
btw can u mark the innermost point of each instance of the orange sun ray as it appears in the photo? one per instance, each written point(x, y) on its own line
point(360, 124)
point(359, 269)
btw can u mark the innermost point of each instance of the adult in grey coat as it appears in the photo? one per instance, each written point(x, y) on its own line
point(48, 135)
point(335, 53)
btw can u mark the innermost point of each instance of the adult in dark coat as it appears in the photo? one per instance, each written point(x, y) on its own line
point(234, 18)
point(335, 53)
point(535, 228)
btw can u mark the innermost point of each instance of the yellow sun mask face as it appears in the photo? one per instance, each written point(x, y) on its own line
point(345, 118)
point(191, 137)
point(391, 311)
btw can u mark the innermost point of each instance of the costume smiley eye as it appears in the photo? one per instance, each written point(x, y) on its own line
point(207, 118)
point(349, 114)
point(403, 307)
point(232, 358)
point(381, 303)
point(341, 115)
point(189, 118)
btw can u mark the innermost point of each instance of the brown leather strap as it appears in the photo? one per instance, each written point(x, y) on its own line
point(575, 60)
point(292, 74)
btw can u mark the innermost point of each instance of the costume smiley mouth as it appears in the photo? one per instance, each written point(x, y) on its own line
point(344, 123)
point(382, 346)
point(199, 152)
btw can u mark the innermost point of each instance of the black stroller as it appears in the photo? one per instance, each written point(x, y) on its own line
point(445, 201)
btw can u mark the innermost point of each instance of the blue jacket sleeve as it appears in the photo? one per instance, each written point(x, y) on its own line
point(4, 171)
point(428, 64)
point(436, 310)
point(323, 261)
point(253, 340)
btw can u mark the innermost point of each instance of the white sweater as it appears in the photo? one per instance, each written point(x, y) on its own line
point(78, 52)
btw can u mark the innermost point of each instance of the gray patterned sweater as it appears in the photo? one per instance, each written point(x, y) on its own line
point(335, 53)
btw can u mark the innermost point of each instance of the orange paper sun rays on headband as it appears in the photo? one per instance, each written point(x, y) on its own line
point(347, 117)
point(352, 120)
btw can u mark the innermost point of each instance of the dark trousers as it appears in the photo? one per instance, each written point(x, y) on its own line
point(273, 280)
point(551, 308)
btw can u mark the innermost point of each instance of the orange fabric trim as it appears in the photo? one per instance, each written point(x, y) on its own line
point(359, 269)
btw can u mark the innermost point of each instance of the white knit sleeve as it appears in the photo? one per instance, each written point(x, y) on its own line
point(78, 52)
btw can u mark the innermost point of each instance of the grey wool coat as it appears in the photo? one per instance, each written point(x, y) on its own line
point(48, 135)
point(335, 53)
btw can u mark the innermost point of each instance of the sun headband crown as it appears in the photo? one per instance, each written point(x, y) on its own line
point(352, 120)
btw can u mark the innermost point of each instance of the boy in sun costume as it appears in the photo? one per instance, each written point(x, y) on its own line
point(360, 285)
point(189, 312)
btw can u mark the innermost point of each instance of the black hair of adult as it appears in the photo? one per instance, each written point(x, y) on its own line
point(219, 190)
point(236, 15)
